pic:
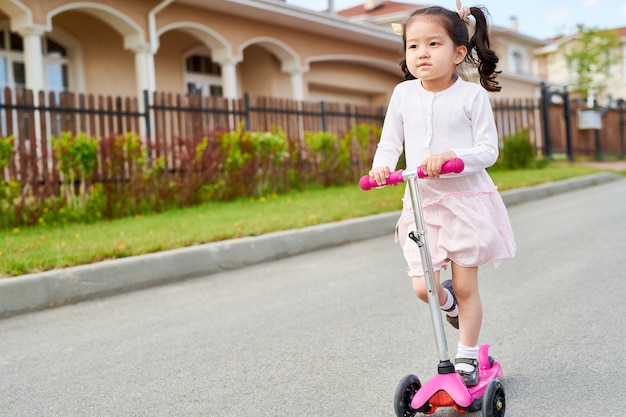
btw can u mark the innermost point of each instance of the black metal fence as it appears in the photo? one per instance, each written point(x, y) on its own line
point(162, 119)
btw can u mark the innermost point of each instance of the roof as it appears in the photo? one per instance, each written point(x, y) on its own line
point(621, 32)
point(302, 19)
point(387, 7)
point(393, 11)
point(553, 44)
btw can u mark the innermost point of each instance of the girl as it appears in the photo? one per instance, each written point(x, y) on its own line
point(437, 116)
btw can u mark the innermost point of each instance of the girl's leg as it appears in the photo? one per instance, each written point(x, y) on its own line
point(419, 287)
point(446, 298)
point(465, 282)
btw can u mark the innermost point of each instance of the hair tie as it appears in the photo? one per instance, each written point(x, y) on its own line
point(466, 16)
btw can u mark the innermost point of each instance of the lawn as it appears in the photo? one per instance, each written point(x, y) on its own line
point(42, 248)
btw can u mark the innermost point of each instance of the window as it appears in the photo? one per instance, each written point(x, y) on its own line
point(19, 74)
point(57, 77)
point(16, 43)
point(203, 65)
point(13, 68)
point(203, 76)
point(518, 62)
point(56, 66)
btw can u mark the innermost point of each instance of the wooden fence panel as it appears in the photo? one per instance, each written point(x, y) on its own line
point(515, 115)
point(587, 144)
point(614, 134)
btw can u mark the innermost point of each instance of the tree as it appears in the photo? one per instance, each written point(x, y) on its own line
point(590, 59)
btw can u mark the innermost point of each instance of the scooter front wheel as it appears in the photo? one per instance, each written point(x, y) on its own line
point(494, 401)
point(405, 392)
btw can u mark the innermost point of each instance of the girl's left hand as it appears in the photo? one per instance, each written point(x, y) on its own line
point(432, 164)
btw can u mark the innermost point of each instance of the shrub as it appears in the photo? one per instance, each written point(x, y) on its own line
point(271, 154)
point(76, 162)
point(329, 157)
point(363, 140)
point(6, 149)
point(116, 176)
point(252, 161)
point(518, 151)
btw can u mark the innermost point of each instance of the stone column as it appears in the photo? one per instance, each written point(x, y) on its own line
point(229, 78)
point(296, 72)
point(145, 78)
point(297, 85)
point(144, 70)
point(33, 58)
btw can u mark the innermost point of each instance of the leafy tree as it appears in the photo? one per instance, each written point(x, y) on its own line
point(590, 59)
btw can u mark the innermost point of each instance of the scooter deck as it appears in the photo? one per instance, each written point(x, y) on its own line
point(449, 390)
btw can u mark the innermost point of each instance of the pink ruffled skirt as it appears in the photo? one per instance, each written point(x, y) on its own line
point(469, 228)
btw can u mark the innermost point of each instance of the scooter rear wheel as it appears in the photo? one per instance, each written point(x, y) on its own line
point(494, 401)
point(405, 392)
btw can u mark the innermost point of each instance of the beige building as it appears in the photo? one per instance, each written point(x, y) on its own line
point(217, 47)
point(221, 47)
point(552, 65)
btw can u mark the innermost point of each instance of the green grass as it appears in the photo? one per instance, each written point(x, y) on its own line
point(43, 248)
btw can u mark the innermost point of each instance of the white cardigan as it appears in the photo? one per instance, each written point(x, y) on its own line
point(459, 118)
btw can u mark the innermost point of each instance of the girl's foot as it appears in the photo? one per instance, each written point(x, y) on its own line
point(468, 369)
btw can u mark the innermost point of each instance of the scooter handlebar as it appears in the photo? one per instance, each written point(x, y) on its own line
point(455, 165)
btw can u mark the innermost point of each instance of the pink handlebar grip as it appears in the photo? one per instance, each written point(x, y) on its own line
point(455, 165)
point(368, 183)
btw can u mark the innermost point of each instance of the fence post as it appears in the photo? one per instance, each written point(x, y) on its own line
point(620, 103)
point(246, 109)
point(545, 101)
point(546, 96)
point(323, 115)
point(568, 128)
point(146, 112)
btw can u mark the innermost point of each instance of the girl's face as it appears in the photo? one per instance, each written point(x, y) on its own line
point(431, 55)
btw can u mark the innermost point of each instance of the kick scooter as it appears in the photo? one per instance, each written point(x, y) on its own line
point(446, 389)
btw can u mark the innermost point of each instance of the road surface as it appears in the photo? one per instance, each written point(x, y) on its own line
point(331, 333)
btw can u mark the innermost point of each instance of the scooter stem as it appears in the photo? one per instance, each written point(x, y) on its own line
point(420, 238)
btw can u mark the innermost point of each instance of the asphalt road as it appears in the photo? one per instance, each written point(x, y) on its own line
point(330, 333)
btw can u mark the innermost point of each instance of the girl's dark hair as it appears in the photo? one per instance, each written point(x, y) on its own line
point(479, 53)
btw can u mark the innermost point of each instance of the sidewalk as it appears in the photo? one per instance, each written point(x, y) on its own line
point(49, 289)
point(609, 166)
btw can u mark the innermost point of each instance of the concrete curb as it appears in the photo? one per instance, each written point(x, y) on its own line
point(70, 285)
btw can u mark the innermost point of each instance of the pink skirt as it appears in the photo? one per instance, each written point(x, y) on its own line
point(469, 228)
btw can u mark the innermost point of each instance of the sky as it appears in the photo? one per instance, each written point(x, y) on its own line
point(537, 18)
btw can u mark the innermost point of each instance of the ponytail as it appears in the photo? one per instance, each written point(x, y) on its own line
point(485, 59)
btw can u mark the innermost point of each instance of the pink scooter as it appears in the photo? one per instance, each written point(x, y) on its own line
point(446, 389)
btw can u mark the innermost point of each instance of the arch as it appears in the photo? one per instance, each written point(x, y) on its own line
point(133, 34)
point(19, 14)
point(290, 61)
point(221, 51)
point(378, 63)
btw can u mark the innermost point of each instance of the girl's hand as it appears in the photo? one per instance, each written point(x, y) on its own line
point(380, 175)
point(432, 165)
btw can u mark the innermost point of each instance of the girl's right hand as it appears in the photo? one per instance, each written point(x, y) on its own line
point(380, 175)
